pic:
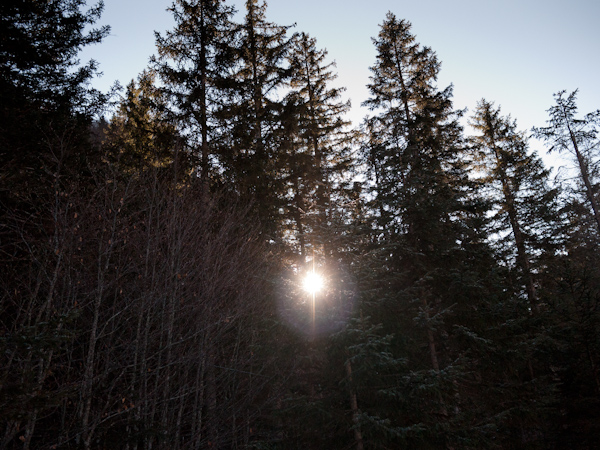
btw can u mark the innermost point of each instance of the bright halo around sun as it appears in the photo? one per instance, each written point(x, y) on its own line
point(313, 282)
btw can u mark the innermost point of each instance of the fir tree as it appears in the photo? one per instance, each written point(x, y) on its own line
point(429, 269)
point(579, 137)
point(46, 109)
point(139, 136)
point(45, 102)
point(192, 61)
point(574, 323)
point(251, 115)
point(318, 144)
point(525, 203)
point(416, 158)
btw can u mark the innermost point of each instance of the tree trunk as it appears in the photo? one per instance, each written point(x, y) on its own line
point(522, 256)
point(583, 169)
point(358, 439)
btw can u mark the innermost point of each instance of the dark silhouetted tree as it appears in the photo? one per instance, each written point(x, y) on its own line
point(526, 208)
point(579, 137)
point(192, 60)
point(251, 115)
point(317, 141)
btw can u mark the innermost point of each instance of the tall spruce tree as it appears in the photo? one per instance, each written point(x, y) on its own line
point(46, 109)
point(525, 205)
point(192, 61)
point(45, 102)
point(251, 115)
point(417, 158)
point(527, 233)
point(574, 322)
point(139, 136)
point(579, 137)
point(427, 269)
point(39, 50)
point(318, 142)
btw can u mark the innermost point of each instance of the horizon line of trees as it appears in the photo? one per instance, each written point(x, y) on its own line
point(151, 262)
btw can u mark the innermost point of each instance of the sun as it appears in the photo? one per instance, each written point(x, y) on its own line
point(313, 282)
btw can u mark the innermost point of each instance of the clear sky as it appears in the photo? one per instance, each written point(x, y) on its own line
point(516, 53)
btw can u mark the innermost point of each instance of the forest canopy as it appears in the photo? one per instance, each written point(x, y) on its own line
point(155, 246)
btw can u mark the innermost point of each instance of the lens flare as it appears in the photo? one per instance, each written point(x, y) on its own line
point(316, 301)
point(313, 283)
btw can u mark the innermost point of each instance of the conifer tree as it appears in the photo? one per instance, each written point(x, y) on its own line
point(39, 52)
point(523, 197)
point(318, 144)
point(46, 108)
point(579, 137)
point(251, 114)
point(526, 231)
point(417, 158)
point(139, 136)
point(192, 61)
point(428, 256)
point(574, 322)
point(45, 102)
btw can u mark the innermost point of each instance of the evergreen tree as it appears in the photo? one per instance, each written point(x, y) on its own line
point(251, 115)
point(192, 61)
point(574, 322)
point(428, 277)
point(139, 136)
point(46, 109)
point(579, 137)
point(411, 195)
point(526, 208)
point(39, 50)
point(527, 232)
point(45, 103)
point(417, 158)
point(318, 143)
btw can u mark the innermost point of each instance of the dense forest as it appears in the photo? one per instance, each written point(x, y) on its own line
point(154, 243)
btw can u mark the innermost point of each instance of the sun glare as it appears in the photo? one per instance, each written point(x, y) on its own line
point(313, 283)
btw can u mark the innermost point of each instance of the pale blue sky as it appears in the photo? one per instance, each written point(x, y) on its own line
point(516, 53)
